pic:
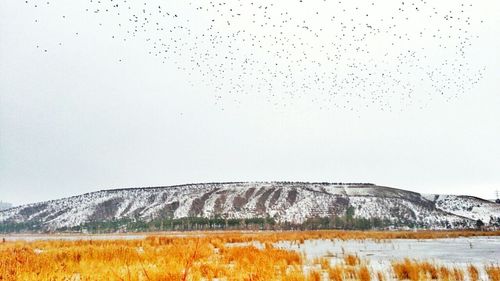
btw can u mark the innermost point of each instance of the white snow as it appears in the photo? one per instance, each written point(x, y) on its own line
point(312, 200)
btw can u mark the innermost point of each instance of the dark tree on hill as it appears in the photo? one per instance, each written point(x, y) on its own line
point(479, 224)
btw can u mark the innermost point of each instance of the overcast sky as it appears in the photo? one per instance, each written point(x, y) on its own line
point(95, 113)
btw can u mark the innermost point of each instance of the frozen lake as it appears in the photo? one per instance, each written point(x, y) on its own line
point(454, 252)
point(464, 250)
point(450, 252)
point(475, 250)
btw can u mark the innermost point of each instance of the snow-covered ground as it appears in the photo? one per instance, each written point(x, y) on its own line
point(455, 252)
point(475, 250)
point(450, 252)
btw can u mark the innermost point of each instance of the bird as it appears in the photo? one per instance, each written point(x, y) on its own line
point(336, 54)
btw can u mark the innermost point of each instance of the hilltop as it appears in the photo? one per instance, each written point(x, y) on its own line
point(252, 204)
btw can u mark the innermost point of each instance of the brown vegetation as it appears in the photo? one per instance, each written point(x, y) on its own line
point(208, 256)
point(416, 271)
point(493, 272)
point(473, 273)
point(300, 236)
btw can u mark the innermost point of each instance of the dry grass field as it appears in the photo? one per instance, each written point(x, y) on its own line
point(210, 256)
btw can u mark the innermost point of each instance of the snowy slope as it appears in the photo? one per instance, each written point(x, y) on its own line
point(469, 206)
point(284, 201)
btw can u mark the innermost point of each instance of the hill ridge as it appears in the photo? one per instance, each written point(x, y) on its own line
point(282, 203)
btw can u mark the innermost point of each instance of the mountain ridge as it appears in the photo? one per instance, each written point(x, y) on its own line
point(282, 202)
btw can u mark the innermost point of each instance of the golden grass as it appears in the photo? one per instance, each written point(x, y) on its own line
point(493, 272)
point(207, 256)
point(323, 262)
point(458, 274)
point(363, 273)
point(314, 275)
point(336, 273)
point(351, 260)
point(473, 273)
point(150, 259)
point(380, 276)
point(406, 270)
point(416, 271)
point(301, 236)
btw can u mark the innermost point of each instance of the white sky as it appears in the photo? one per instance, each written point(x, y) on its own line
point(96, 112)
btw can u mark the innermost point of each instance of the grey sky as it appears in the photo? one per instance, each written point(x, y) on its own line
point(75, 119)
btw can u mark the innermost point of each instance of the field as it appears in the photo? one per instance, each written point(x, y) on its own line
point(312, 255)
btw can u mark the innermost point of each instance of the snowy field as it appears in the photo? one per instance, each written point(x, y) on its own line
point(378, 254)
point(475, 250)
point(451, 252)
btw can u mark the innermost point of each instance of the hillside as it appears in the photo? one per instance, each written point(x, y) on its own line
point(293, 203)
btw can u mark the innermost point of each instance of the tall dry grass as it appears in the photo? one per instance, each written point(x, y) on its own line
point(493, 272)
point(301, 236)
point(473, 273)
point(209, 256)
point(155, 258)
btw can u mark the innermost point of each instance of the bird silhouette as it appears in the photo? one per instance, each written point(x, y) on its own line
point(339, 54)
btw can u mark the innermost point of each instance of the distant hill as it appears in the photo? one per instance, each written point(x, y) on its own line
point(253, 205)
point(4, 205)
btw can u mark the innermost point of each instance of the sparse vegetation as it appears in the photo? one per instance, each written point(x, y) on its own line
point(493, 272)
point(210, 255)
point(423, 270)
point(473, 273)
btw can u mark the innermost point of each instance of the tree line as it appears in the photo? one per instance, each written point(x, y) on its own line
point(348, 221)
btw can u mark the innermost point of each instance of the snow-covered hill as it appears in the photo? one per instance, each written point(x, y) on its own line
point(292, 202)
point(468, 206)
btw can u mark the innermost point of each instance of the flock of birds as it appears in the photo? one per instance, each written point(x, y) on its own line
point(345, 54)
